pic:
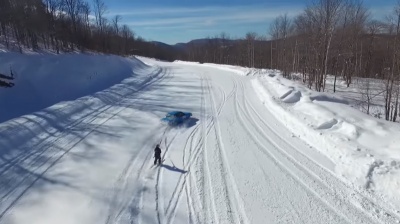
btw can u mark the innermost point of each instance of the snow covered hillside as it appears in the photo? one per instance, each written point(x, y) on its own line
point(42, 80)
point(258, 149)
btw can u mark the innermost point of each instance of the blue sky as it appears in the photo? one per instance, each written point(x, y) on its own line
point(174, 21)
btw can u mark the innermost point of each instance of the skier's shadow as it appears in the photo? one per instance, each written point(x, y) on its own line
point(174, 169)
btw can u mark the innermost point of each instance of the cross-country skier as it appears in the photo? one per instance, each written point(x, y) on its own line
point(157, 154)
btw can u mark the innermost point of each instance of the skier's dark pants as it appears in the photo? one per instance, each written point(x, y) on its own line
point(157, 158)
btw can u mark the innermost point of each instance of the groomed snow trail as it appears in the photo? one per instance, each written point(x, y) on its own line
point(252, 170)
point(233, 162)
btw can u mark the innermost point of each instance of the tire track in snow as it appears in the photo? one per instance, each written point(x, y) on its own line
point(67, 139)
point(177, 193)
point(122, 181)
point(87, 119)
point(197, 149)
point(222, 179)
point(191, 188)
point(364, 199)
point(122, 186)
point(134, 204)
point(261, 145)
point(277, 161)
point(207, 178)
point(54, 162)
point(235, 202)
point(309, 178)
point(211, 124)
point(339, 191)
point(158, 186)
point(181, 183)
point(182, 180)
point(193, 216)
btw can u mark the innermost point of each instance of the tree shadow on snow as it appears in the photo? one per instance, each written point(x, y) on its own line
point(25, 157)
point(32, 145)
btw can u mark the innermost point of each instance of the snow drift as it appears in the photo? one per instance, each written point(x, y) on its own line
point(366, 150)
point(42, 80)
point(230, 68)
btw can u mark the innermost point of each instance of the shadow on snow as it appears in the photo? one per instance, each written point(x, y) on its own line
point(31, 145)
point(192, 121)
point(173, 168)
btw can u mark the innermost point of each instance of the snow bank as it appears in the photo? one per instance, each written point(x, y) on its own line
point(42, 80)
point(366, 150)
point(187, 62)
point(230, 68)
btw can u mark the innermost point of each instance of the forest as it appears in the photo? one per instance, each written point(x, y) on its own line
point(337, 38)
point(329, 38)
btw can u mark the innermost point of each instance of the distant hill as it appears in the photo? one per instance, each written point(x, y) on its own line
point(204, 41)
point(164, 45)
point(184, 46)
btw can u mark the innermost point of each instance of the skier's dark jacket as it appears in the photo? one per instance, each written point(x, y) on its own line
point(157, 152)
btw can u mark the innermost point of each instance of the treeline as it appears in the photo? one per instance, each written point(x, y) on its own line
point(69, 25)
point(330, 37)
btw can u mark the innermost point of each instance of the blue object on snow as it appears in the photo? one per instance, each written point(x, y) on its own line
point(176, 117)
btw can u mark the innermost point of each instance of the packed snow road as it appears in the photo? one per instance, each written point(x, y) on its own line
point(90, 160)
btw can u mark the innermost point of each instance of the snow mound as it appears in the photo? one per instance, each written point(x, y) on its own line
point(42, 80)
point(292, 97)
point(328, 124)
point(326, 97)
point(366, 150)
point(186, 62)
point(386, 177)
point(281, 90)
point(348, 130)
point(230, 68)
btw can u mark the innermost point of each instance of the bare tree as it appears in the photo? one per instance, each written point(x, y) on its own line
point(73, 9)
point(326, 14)
point(392, 86)
point(115, 22)
point(280, 30)
point(128, 39)
point(250, 38)
point(99, 10)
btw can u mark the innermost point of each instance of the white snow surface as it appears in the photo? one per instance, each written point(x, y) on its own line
point(244, 156)
point(365, 150)
point(42, 80)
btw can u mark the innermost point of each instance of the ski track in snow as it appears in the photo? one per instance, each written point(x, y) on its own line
point(67, 140)
point(327, 188)
point(194, 152)
point(318, 183)
point(178, 192)
point(235, 215)
point(237, 164)
point(123, 186)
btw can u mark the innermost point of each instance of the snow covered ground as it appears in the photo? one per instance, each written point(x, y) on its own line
point(366, 150)
point(356, 94)
point(42, 80)
point(241, 159)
